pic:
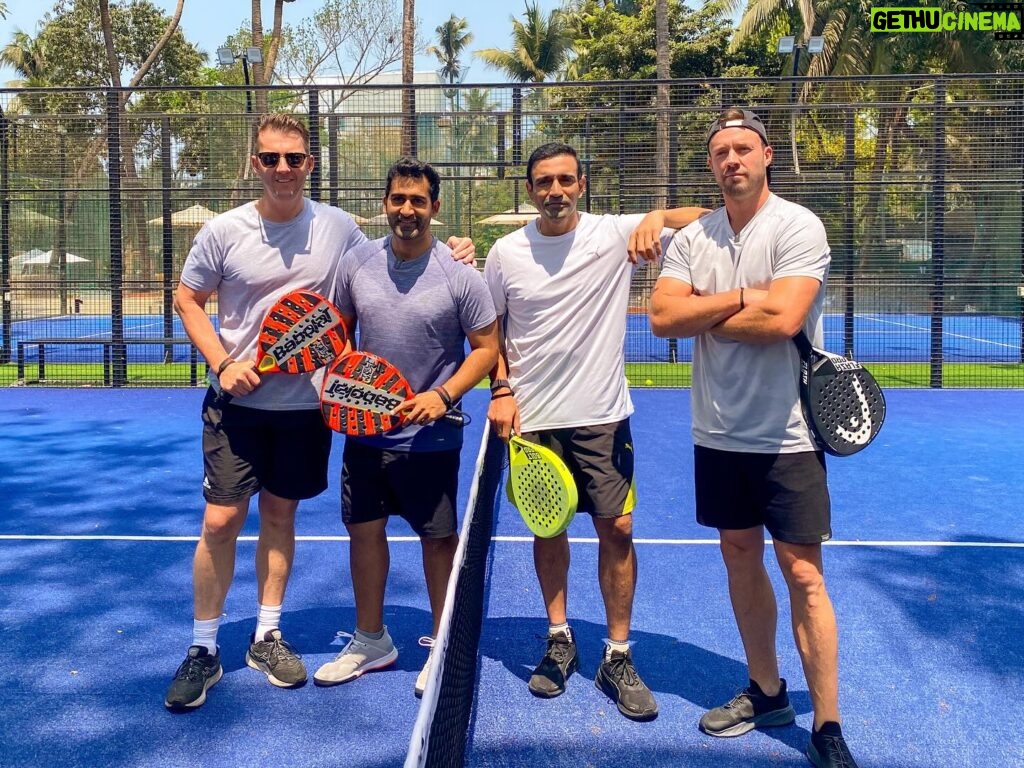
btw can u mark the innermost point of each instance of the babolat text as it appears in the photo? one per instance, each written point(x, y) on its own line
point(350, 393)
point(304, 331)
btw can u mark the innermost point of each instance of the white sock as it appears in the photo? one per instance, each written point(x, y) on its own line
point(615, 645)
point(204, 633)
point(560, 629)
point(268, 618)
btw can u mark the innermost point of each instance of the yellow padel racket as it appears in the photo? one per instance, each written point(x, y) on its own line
point(541, 487)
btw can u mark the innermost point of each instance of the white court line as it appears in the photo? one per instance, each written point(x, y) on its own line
point(899, 324)
point(525, 540)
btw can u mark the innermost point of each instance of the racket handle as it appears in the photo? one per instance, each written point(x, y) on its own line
point(457, 418)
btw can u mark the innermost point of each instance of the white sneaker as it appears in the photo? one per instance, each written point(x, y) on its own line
point(360, 655)
point(421, 678)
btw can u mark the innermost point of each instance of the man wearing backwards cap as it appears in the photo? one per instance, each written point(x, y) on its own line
point(742, 281)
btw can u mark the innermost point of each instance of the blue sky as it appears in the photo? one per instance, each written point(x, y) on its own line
point(209, 22)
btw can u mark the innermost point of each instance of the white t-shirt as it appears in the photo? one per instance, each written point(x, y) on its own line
point(746, 397)
point(251, 263)
point(565, 299)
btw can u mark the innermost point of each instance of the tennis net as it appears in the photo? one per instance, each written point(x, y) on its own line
point(442, 725)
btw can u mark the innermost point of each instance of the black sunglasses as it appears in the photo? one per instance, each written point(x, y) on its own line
point(271, 159)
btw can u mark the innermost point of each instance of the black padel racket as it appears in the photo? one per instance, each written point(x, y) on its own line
point(842, 402)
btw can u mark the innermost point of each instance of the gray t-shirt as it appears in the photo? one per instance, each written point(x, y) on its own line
point(415, 314)
point(251, 262)
point(746, 397)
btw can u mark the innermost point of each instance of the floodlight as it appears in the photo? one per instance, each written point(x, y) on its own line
point(225, 57)
point(816, 44)
point(254, 55)
point(786, 44)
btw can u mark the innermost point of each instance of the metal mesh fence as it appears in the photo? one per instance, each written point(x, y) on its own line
point(917, 179)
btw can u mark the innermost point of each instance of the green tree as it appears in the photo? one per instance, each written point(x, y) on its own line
point(541, 47)
point(453, 37)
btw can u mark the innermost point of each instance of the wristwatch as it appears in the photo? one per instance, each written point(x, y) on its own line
point(500, 384)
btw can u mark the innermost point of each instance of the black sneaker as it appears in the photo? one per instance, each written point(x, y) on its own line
point(749, 709)
point(559, 662)
point(277, 660)
point(830, 751)
point(618, 679)
point(197, 674)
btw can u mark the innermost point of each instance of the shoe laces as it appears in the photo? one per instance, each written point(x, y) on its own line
point(838, 752)
point(559, 648)
point(426, 641)
point(282, 649)
point(191, 669)
point(620, 666)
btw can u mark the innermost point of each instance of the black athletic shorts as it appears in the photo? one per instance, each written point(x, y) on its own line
point(246, 449)
point(600, 458)
point(421, 487)
point(787, 493)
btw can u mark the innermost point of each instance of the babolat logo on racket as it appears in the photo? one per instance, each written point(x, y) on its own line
point(360, 396)
point(304, 331)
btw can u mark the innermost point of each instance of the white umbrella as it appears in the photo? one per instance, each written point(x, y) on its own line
point(193, 216)
point(49, 257)
point(513, 217)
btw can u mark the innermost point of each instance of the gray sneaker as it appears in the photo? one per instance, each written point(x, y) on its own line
point(277, 660)
point(197, 674)
point(560, 661)
point(360, 655)
point(749, 709)
point(618, 679)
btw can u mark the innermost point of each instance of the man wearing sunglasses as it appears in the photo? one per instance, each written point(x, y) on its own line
point(270, 440)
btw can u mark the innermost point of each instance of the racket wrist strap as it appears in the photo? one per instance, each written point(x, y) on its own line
point(445, 397)
point(224, 364)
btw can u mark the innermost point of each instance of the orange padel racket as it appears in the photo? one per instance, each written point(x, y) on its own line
point(361, 390)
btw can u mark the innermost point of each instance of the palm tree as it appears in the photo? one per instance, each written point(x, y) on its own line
point(452, 39)
point(541, 47)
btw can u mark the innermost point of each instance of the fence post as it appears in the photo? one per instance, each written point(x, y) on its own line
point(938, 234)
point(6, 315)
point(118, 352)
point(316, 175)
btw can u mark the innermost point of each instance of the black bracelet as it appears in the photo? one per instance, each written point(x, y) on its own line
point(224, 364)
point(445, 397)
point(742, 305)
point(500, 384)
point(505, 394)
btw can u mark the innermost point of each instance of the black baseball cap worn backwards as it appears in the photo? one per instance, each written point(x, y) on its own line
point(750, 121)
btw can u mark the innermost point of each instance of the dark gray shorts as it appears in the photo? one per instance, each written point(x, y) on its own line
point(420, 487)
point(600, 458)
point(246, 449)
point(787, 493)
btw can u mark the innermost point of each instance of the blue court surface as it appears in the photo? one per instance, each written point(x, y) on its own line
point(877, 338)
point(101, 508)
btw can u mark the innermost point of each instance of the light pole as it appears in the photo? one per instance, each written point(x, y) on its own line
point(787, 45)
point(226, 57)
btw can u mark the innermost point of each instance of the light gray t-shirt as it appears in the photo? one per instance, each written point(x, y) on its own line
point(746, 397)
point(251, 262)
point(415, 314)
point(564, 299)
